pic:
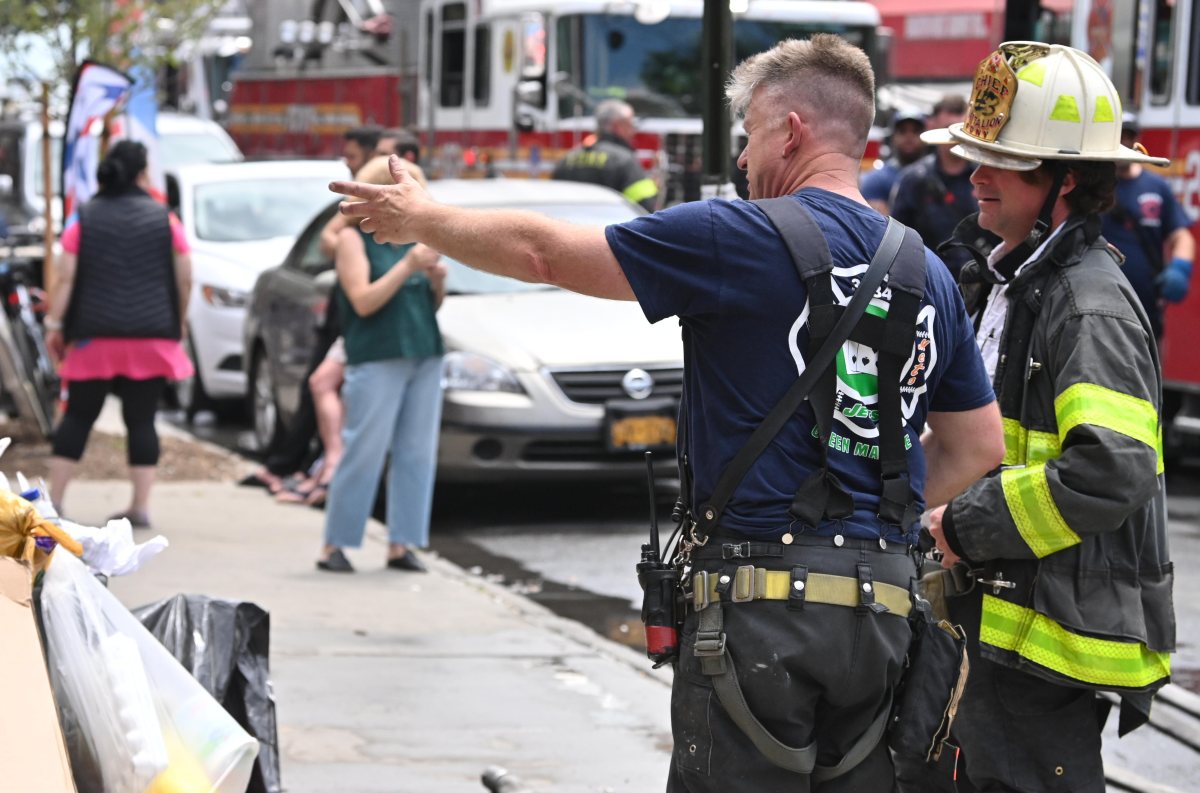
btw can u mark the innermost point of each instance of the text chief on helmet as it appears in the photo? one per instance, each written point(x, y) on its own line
point(1069, 581)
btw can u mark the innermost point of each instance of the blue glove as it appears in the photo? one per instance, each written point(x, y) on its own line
point(1173, 281)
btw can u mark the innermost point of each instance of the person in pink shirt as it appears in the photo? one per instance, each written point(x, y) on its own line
point(117, 315)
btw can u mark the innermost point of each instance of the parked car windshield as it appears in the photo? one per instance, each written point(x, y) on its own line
point(176, 150)
point(257, 210)
point(462, 280)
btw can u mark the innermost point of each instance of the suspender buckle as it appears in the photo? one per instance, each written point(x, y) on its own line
point(735, 551)
point(710, 642)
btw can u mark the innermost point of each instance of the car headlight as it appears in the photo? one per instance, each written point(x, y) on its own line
point(222, 297)
point(467, 371)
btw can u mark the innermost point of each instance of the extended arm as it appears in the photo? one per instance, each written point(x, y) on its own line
point(521, 245)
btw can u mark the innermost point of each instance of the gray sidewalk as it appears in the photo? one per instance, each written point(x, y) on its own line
point(392, 681)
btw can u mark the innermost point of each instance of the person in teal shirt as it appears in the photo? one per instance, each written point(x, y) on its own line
point(388, 298)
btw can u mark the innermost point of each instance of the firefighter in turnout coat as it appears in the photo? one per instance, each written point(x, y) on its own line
point(1057, 562)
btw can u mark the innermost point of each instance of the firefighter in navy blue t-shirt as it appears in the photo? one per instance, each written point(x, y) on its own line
point(817, 668)
point(1149, 226)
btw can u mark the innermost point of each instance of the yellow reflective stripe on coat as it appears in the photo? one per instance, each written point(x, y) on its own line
point(1101, 662)
point(1023, 447)
point(1087, 403)
point(1034, 512)
point(640, 190)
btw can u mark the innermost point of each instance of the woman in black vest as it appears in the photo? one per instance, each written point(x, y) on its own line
point(116, 319)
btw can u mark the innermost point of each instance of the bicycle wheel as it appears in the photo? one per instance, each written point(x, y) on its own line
point(38, 372)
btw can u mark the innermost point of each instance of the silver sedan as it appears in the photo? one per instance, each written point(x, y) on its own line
point(540, 383)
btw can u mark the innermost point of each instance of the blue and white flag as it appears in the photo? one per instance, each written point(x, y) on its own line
point(98, 91)
point(141, 124)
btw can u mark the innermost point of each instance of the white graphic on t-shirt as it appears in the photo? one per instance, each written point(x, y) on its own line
point(857, 372)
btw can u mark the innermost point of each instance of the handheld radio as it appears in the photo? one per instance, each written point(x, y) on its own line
point(660, 587)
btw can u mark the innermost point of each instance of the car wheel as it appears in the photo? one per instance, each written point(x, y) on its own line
point(263, 409)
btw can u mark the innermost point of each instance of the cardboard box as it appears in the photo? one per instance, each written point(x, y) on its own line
point(33, 755)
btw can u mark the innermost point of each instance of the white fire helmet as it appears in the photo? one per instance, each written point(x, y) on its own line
point(1032, 102)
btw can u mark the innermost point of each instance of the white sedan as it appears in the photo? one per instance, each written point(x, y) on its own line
point(240, 218)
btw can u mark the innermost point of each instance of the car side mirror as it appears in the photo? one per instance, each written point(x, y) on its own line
point(326, 279)
point(531, 92)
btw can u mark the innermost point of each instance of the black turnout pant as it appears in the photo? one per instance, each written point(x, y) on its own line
point(1015, 732)
point(819, 674)
point(139, 401)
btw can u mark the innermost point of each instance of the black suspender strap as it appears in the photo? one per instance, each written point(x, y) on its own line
point(817, 364)
point(899, 348)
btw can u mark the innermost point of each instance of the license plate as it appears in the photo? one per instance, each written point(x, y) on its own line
point(639, 433)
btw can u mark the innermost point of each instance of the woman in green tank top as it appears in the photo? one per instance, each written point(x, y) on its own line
point(388, 299)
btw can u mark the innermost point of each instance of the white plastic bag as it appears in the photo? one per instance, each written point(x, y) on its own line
point(112, 550)
point(150, 726)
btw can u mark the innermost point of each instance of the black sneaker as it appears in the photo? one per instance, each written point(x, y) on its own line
point(136, 521)
point(409, 562)
point(335, 563)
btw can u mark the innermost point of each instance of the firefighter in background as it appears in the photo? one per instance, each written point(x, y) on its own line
point(609, 159)
point(933, 194)
point(1069, 585)
point(1150, 228)
point(906, 147)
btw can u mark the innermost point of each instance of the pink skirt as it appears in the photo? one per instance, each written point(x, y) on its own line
point(135, 359)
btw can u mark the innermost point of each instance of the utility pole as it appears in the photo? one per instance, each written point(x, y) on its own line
point(1020, 19)
point(717, 55)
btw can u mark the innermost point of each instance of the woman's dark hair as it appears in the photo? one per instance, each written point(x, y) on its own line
point(120, 168)
point(1095, 185)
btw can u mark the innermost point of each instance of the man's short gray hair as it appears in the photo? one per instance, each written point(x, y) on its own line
point(610, 111)
point(828, 75)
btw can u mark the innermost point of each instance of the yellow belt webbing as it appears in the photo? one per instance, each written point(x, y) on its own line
point(757, 583)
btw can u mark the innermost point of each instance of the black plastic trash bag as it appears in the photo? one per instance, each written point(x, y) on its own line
point(226, 646)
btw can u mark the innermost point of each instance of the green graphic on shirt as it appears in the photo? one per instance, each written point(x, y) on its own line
point(856, 364)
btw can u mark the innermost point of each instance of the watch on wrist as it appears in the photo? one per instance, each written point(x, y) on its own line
point(50, 323)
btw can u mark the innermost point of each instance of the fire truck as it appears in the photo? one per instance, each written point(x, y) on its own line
point(1152, 52)
point(508, 86)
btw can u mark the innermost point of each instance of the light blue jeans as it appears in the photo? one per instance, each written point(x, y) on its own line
point(393, 409)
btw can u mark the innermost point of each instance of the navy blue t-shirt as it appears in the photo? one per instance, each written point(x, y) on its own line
point(723, 269)
point(1145, 215)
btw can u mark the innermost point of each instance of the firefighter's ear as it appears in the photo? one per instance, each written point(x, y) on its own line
point(1069, 184)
